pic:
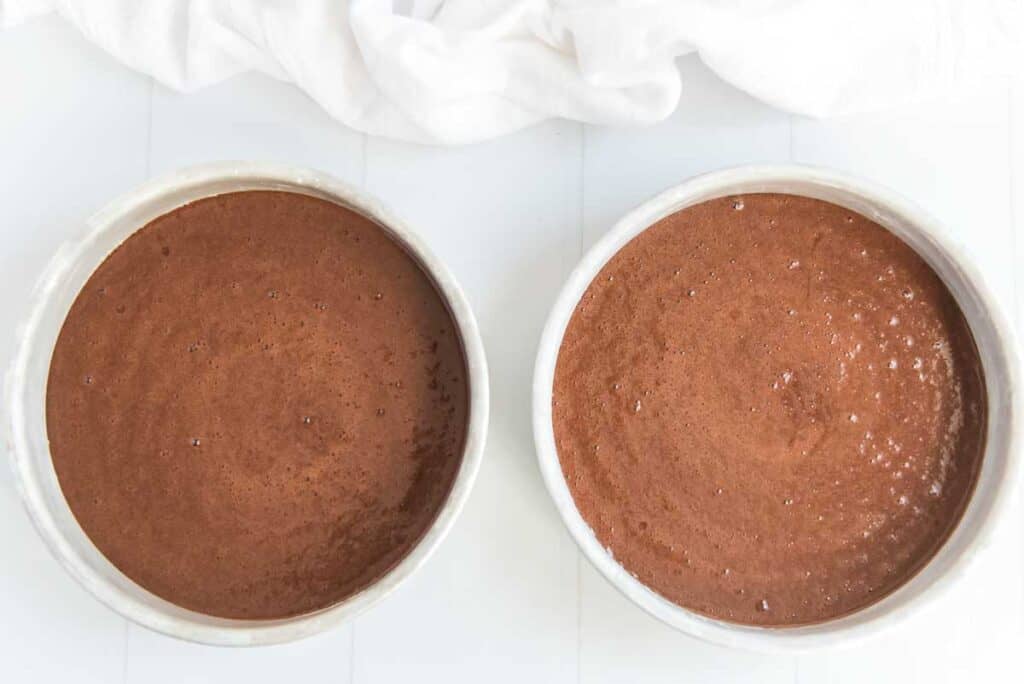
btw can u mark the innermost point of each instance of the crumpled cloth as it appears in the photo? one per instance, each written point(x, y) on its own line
point(459, 71)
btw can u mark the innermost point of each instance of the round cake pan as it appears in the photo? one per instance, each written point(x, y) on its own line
point(25, 392)
point(997, 350)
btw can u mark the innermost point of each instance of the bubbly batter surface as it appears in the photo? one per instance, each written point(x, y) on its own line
point(769, 409)
point(257, 405)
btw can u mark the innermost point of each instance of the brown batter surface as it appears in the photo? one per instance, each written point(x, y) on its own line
point(257, 405)
point(769, 409)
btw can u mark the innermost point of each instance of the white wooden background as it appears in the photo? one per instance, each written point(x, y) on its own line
point(507, 598)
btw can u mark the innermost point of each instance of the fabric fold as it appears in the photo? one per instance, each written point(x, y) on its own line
point(460, 71)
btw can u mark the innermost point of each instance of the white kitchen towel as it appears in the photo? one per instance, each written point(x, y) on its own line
point(458, 71)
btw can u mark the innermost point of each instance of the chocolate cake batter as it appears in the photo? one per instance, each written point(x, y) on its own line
point(769, 409)
point(257, 405)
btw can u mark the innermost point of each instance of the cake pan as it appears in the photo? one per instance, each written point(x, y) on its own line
point(25, 393)
point(997, 350)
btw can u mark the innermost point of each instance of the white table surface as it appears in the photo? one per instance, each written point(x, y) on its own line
point(507, 597)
